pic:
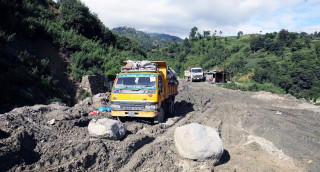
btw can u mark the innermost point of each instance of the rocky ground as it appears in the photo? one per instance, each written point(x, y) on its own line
point(260, 131)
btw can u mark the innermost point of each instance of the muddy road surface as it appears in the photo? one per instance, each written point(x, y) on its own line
point(260, 131)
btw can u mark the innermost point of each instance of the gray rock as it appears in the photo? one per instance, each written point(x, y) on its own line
point(51, 122)
point(198, 142)
point(57, 115)
point(107, 128)
point(99, 100)
point(94, 103)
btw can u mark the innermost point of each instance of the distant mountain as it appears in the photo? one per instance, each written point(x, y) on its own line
point(163, 35)
point(147, 41)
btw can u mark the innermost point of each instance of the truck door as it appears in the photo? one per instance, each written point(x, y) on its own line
point(160, 86)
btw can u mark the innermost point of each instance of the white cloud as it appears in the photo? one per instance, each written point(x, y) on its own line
point(177, 17)
point(311, 29)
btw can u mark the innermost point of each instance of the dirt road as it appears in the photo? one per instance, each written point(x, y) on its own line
point(260, 131)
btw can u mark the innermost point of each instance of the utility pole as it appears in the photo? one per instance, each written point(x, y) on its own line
point(224, 62)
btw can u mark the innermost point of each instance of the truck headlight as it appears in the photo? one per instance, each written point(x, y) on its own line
point(151, 107)
point(115, 106)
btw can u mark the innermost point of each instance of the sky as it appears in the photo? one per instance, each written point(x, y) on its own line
point(177, 17)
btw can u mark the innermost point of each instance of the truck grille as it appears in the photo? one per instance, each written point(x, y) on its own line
point(197, 76)
point(132, 106)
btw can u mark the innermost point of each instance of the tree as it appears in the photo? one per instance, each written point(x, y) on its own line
point(77, 16)
point(317, 50)
point(283, 35)
point(240, 33)
point(285, 83)
point(269, 44)
point(260, 75)
point(314, 93)
point(256, 43)
point(286, 37)
point(237, 66)
point(303, 34)
point(193, 33)
point(298, 44)
point(220, 33)
point(206, 33)
point(270, 35)
point(199, 35)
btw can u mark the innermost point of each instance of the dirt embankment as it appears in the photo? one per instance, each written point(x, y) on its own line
point(260, 132)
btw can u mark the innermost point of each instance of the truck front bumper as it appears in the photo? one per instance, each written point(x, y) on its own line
point(142, 114)
point(197, 78)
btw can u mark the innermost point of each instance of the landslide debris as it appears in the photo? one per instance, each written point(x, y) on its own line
point(260, 132)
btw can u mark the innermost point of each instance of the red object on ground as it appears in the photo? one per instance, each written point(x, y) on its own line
point(94, 113)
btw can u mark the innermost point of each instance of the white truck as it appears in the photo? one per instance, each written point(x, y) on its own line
point(194, 74)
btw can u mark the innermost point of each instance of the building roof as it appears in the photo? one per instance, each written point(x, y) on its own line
point(216, 69)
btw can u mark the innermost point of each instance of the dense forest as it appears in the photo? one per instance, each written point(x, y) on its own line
point(280, 62)
point(147, 41)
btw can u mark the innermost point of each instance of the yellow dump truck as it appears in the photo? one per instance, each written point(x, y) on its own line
point(144, 89)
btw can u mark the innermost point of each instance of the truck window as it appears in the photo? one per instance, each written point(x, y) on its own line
point(135, 81)
point(196, 70)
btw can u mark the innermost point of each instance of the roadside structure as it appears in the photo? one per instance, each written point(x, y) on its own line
point(217, 75)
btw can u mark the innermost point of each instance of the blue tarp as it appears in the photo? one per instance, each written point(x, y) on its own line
point(105, 109)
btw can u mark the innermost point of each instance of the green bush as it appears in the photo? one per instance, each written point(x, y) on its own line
point(82, 94)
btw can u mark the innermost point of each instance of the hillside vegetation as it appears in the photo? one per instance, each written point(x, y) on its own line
point(26, 76)
point(147, 41)
point(36, 34)
point(283, 62)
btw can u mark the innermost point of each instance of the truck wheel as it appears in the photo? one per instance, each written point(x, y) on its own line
point(159, 119)
point(171, 108)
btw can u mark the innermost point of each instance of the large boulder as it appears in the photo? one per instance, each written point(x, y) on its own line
point(198, 142)
point(107, 128)
point(97, 101)
point(100, 100)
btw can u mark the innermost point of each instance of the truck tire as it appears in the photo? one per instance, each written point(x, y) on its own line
point(171, 108)
point(121, 119)
point(159, 119)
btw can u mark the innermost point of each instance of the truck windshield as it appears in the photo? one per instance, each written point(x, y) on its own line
point(135, 81)
point(196, 70)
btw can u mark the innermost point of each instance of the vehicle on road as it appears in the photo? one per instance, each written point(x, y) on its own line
point(187, 75)
point(144, 89)
point(196, 74)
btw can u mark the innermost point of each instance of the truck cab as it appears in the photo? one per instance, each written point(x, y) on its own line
point(145, 91)
point(196, 74)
